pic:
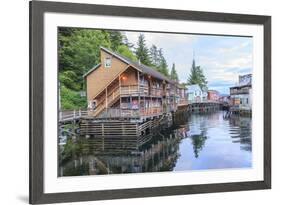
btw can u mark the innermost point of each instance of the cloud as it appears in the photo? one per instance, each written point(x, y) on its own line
point(161, 40)
point(222, 58)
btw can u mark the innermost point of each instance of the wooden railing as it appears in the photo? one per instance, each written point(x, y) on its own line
point(113, 92)
point(116, 112)
point(151, 111)
point(239, 91)
point(129, 89)
point(69, 115)
point(144, 89)
point(183, 102)
point(156, 92)
point(203, 101)
point(112, 96)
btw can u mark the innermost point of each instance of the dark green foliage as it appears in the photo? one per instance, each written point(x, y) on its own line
point(163, 66)
point(79, 52)
point(158, 60)
point(127, 43)
point(153, 51)
point(125, 51)
point(174, 74)
point(71, 99)
point(197, 76)
point(142, 52)
point(70, 150)
point(116, 39)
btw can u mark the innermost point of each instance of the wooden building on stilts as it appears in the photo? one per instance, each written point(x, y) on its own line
point(127, 98)
point(120, 87)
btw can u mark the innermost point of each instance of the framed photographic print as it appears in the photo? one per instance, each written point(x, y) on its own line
point(132, 102)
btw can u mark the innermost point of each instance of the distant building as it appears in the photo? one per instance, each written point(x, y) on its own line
point(195, 94)
point(241, 94)
point(213, 95)
point(224, 98)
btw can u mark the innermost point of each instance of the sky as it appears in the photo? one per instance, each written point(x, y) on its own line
point(222, 58)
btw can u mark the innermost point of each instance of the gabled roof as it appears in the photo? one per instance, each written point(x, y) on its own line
point(136, 65)
point(91, 70)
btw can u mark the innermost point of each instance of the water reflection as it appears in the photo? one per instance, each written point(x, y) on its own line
point(198, 141)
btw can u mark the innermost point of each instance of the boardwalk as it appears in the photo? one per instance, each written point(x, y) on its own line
point(203, 106)
point(68, 116)
point(72, 115)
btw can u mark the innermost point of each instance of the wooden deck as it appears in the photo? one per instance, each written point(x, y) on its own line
point(135, 133)
point(204, 106)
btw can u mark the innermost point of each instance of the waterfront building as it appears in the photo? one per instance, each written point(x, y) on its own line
point(182, 95)
point(195, 94)
point(241, 94)
point(213, 95)
point(224, 98)
point(120, 87)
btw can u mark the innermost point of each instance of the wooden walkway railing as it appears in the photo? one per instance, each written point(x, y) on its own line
point(203, 101)
point(72, 115)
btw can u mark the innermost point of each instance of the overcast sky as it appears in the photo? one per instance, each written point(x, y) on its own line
point(223, 58)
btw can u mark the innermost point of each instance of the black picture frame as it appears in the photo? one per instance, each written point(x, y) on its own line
point(37, 10)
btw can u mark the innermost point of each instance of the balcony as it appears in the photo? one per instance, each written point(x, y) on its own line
point(134, 90)
point(142, 90)
point(129, 90)
point(157, 92)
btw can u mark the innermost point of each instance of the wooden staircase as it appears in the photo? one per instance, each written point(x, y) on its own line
point(112, 97)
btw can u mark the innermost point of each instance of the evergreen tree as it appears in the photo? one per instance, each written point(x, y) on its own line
point(153, 52)
point(125, 51)
point(142, 52)
point(174, 75)
point(79, 51)
point(163, 66)
point(197, 76)
point(127, 43)
point(116, 39)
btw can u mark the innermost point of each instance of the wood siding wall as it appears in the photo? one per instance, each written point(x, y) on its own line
point(102, 76)
point(130, 77)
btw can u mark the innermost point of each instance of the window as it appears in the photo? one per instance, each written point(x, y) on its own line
point(107, 62)
point(94, 105)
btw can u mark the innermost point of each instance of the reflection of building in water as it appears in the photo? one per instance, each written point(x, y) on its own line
point(202, 134)
point(160, 155)
point(242, 126)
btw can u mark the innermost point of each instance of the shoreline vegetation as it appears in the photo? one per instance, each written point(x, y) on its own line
point(79, 51)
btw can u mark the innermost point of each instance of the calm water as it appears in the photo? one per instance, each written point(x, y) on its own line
point(201, 141)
